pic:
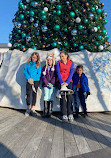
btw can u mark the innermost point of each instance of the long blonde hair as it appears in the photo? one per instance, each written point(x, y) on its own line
point(38, 59)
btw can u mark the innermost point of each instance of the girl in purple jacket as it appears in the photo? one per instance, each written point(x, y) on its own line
point(48, 78)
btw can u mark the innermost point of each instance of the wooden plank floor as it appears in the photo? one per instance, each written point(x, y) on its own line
point(37, 137)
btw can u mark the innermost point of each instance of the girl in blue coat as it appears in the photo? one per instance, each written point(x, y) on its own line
point(32, 73)
point(81, 89)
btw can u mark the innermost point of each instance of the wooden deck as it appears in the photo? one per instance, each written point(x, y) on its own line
point(35, 137)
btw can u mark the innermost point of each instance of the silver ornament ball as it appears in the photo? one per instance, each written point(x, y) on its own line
point(78, 20)
point(101, 47)
point(28, 38)
point(35, 25)
point(18, 25)
point(91, 16)
point(74, 32)
point(45, 9)
point(34, 4)
point(44, 28)
point(28, 1)
point(31, 19)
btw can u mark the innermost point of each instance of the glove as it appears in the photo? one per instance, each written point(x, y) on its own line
point(31, 81)
point(50, 85)
point(88, 93)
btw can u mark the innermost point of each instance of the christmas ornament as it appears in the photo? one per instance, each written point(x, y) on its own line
point(84, 10)
point(18, 25)
point(34, 47)
point(44, 28)
point(52, 1)
point(28, 38)
point(31, 13)
point(65, 29)
point(80, 27)
point(104, 31)
point(67, 2)
point(91, 16)
point(105, 15)
point(23, 35)
point(105, 22)
point(45, 9)
point(34, 4)
point(69, 7)
point(21, 16)
point(102, 4)
point(43, 17)
point(92, 9)
point(58, 7)
point(24, 49)
point(65, 44)
point(58, 12)
point(28, 1)
point(85, 21)
point(75, 45)
point(72, 14)
point(54, 44)
point(74, 32)
point(101, 47)
point(81, 47)
point(87, 4)
point(78, 20)
point(95, 29)
point(99, 37)
point(98, 11)
point(36, 25)
point(56, 27)
point(31, 19)
point(42, 12)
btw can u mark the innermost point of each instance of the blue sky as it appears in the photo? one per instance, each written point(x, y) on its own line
point(9, 7)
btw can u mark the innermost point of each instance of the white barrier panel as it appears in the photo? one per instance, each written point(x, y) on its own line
point(97, 67)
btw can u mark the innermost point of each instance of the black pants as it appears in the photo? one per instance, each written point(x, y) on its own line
point(82, 100)
point(66, 103)
point(28, 92)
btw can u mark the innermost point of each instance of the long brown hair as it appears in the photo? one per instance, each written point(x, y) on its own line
point(65, 53)
point(38, 59)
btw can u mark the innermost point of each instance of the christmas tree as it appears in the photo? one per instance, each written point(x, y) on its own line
point(71, 25)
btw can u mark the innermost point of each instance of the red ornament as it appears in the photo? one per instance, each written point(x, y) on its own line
point(102, 4)
point(24, 26)
point(69, 7)
point(109, 43)
point(24, 49)
point(84, 10)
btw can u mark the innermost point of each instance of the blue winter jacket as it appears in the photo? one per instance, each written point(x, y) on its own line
point(30, 71)
point(83, 82)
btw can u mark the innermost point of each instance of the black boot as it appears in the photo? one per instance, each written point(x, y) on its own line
point(45, 111)
point(50, 105)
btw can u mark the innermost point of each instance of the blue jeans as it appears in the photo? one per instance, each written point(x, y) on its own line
point(79, 98)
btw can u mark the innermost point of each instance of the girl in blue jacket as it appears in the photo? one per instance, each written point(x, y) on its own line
point(32, 73)
point(81, 89)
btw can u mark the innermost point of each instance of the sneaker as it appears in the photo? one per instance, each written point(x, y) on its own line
point(71, 118)
point(33, 112)
point(27, 113)
point(65, 118)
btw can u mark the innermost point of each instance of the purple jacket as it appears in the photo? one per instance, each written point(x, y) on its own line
point(48, 78)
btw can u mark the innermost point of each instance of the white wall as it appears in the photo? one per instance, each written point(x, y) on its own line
point(97, 66)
